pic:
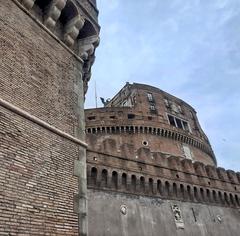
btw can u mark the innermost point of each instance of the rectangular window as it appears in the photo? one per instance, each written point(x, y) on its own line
point(179, 123)
point(185, 125)
point(91, 117)
point(172, 120)
point(131, 116)
point(152, 108)
point(150, 97)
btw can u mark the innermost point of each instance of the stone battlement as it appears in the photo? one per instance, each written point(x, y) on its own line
point(170, 178)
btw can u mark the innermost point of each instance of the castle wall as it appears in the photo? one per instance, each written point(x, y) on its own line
point(36, 179)
point(42, 85)
point(155, 143)
point(150, 216)
point(144, 116)
point(37, 73)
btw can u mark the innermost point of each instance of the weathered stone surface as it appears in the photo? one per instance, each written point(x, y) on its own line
point(149, 216)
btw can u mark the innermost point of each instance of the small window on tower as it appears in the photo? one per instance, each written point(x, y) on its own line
point(152, 108)
point(179, 123)
point(171, 120)
point(185, 125)
point(91, 117)
point(150, 97)
point(131, 116)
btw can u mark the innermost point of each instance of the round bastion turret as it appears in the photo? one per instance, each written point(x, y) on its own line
point(142, 118)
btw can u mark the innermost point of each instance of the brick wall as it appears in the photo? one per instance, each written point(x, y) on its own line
point(41, 77)
point(37, 73)
point(36, 179)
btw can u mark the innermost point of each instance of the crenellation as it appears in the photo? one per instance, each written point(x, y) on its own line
point(115, 180)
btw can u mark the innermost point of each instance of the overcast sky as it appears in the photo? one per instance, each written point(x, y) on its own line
point(189, 48)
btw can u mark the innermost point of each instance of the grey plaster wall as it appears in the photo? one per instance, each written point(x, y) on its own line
point(154, 217)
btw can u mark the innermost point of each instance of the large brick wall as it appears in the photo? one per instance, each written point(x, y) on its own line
point(36, 179)
point(37, 73)
point(41, 127)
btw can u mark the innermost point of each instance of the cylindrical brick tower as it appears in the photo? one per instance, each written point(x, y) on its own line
point(142, 117)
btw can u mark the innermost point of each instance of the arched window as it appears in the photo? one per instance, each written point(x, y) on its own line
point(114, 180)
point(226, 199)
point(182, 195)
point(150, 186)
point(159, 187)
point(142, 184)
point(174, 190)
point(93, 178)
point(195, 190)
point(237, 200)
point(104, 178)
point(167, 189)
point(202, 194)
point(124, 181)
point(232, 199)
point(189, 192)
point(133, 183)
point(208, 195)
point(214, 196)
point(220, 197)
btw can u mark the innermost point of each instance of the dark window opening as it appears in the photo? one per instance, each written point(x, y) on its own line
point(91, 117)
point(134, 183)
point(149, 118)
point(114, 179)
point(152, 108)
point(171, 120)
point(179, 123)
point(131, 116)
point(150, 97)
point(94, 176)
point(124, 181)
point(185, 125)
point(151, 186)
point(104, 178)
point(112, 117)
point(142, 184)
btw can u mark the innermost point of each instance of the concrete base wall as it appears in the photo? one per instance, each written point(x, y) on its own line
point(154, 217)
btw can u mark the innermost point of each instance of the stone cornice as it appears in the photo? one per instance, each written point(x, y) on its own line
point(161, 132)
